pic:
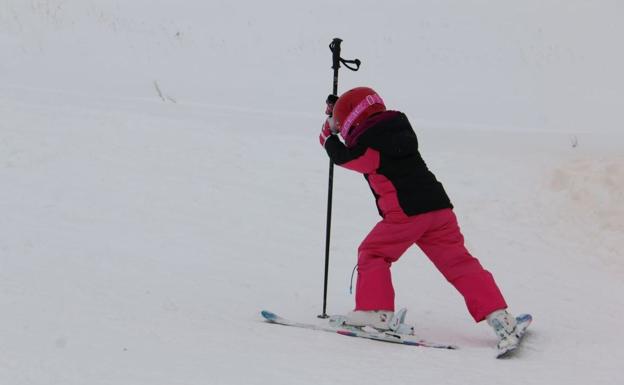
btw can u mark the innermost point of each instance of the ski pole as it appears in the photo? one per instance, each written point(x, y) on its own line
point(353, 65)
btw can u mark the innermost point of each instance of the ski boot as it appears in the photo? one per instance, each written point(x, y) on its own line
point(380, 320)
point(509, 330)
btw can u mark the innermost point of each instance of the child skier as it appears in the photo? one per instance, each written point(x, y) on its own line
point(414, 207)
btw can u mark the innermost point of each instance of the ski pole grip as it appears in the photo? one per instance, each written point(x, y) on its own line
point(334, 46)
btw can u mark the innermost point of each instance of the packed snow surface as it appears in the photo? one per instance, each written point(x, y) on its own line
point(162, 182)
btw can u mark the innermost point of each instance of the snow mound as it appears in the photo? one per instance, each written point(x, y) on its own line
point(593, 188)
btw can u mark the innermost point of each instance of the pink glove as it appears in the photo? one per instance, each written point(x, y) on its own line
point(326, 131)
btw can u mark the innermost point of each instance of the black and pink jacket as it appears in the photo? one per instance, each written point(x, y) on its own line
point(385, 149)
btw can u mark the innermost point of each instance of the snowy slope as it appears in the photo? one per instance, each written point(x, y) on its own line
point(162, 182)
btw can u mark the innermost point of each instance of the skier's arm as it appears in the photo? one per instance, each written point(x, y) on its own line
point(359, 158)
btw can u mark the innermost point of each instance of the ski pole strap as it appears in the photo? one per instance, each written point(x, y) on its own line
point(347, 63)
point(357, 111)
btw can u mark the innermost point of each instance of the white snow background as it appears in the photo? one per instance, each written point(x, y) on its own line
point(161, 182)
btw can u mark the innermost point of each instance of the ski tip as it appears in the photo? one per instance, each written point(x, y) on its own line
point(269, 316)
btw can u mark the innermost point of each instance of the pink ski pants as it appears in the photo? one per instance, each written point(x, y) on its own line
point(437, 234)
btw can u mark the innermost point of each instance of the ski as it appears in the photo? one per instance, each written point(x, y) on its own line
point(352, 331)
point(522, 323)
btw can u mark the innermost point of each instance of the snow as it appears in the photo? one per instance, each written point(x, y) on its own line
point(162, 183)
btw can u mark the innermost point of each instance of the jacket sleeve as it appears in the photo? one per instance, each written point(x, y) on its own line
point(359, 158)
